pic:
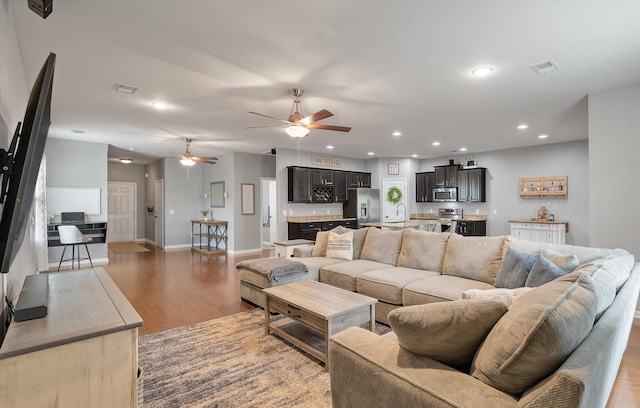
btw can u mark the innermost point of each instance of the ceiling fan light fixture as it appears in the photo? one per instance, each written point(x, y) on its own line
point(187, 161)
point(297, 131)
point(126, 161)
point(482, 71)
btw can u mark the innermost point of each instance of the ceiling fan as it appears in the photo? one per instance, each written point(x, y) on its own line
point(188, 159)
point(298, 125)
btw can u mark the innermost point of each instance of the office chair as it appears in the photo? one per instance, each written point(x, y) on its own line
point(71, 235)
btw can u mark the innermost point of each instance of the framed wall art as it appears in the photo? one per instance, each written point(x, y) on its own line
point(248, 198)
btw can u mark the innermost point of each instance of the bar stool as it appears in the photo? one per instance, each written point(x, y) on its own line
point(71, 235)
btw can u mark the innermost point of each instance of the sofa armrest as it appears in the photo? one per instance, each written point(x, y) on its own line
point(371, 370)
point(302, 251)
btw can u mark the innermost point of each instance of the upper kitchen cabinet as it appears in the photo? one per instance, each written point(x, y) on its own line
point(322, 177)
point(299, 184)
point(340, 186)
point(425, 182)
point(471, 185)
point(357, 179)
point(446, 176)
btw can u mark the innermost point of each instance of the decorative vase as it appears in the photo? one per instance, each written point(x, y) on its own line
point(205, 218)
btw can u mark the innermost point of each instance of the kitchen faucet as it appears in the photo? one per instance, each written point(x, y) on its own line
point(398, 209)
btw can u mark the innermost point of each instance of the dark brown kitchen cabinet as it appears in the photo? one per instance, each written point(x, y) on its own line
point(424, 183)
point(357, 179)
point(299, 184)
point(471, 185)
point(472, 228)
point(322, 177)
point(340, 186)
point(446, 176)
point(308, 230)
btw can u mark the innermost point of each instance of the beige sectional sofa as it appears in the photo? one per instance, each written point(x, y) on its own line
point(569, 338)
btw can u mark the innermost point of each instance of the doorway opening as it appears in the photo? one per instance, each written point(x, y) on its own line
point(268, 212)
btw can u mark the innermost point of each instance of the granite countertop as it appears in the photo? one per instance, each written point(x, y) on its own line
point(318, 218)
point(537, 221)
point(431, 216)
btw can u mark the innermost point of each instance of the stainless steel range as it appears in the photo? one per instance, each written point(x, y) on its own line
point(449, 214)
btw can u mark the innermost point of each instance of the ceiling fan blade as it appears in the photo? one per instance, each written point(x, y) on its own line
point(323, 114)
point(265, 126)
point(204, 159)
point(270, 117)
point(328, 127)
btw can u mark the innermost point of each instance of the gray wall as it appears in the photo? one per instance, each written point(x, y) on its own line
point(614, 168)
point(183, 197)
point(132, 173)
point(14, 93)
point(79, 164)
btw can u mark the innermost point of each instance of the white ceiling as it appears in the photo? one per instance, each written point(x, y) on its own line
point(380, 67)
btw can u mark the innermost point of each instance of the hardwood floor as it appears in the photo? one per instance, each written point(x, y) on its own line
point(178, 287)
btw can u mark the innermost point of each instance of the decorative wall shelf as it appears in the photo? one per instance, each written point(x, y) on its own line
point(555, 186)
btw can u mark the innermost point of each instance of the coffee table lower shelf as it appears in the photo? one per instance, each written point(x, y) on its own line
point(301, 336)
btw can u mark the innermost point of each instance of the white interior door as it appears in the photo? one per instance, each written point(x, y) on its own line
point(121, 206)
point(159, 213)
point(391, 211)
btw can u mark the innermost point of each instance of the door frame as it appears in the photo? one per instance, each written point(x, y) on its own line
point(158, 219)
point(133, 208)
point(274, 213)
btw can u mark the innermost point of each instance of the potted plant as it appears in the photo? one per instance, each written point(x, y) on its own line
point(204, 215)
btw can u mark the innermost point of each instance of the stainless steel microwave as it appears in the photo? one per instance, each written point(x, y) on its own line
point(445, 194)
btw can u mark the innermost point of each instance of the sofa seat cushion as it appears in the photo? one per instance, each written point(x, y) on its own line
point(476, 258)
point(537, 334)
point(343, 274)
point(439, 288)
point(386, 284)
point(449, 332)
point(382, 246)
point(423, 250)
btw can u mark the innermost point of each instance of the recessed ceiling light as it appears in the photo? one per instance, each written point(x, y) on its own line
point(160, 105)
point(436, 143)
point(371, 153)
point(523, 126)
point(80, 132)
point(125, 161)
point(482, 71)
point(543, 136)
point(414, 155)
point(397, 134)
point(330, 147)
point(132, 148)
point(463, 149)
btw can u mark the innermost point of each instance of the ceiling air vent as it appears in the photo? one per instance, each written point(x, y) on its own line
point(544, 67)
point(130, 89)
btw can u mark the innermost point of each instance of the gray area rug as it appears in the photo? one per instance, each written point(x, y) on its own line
point(229, 362)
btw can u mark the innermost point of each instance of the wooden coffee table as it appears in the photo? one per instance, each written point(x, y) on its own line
point(315, 311)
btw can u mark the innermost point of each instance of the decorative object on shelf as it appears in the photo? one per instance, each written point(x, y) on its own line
point(542, 213)
point(204, 215)
point(394, 195)
point(394, 168)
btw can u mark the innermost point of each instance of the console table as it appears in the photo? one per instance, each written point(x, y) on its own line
point(209, 237)
point(84, 353)
point(96, 230)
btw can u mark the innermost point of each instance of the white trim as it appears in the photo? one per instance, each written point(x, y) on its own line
point(181, 246)
point(637, 314)
point(245, 251)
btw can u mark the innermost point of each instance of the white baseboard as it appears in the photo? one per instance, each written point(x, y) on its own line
point(245, 251)
point(181, 246)
point(637, 315)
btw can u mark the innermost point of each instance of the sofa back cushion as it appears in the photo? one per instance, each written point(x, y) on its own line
point(382, 246)
point(359, 235)
point(537, 334)
point(449, 332)
point(584, 254)
point(423, 250)
point(476, 258)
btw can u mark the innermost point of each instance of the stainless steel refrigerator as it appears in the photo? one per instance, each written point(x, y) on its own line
point(363, 204)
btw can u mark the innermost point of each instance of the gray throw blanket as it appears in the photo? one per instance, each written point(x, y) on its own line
point(273, 268)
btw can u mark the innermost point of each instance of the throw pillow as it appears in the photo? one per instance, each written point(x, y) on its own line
point(537, 334)
point(382, 246)
point(543, 271)
point(320, 247)
point(515, 268)
point(449, 332)
point(565, 262)
point(506, 296)
point(340, 246)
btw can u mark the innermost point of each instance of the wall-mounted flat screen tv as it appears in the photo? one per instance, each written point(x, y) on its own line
point(20, 165)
